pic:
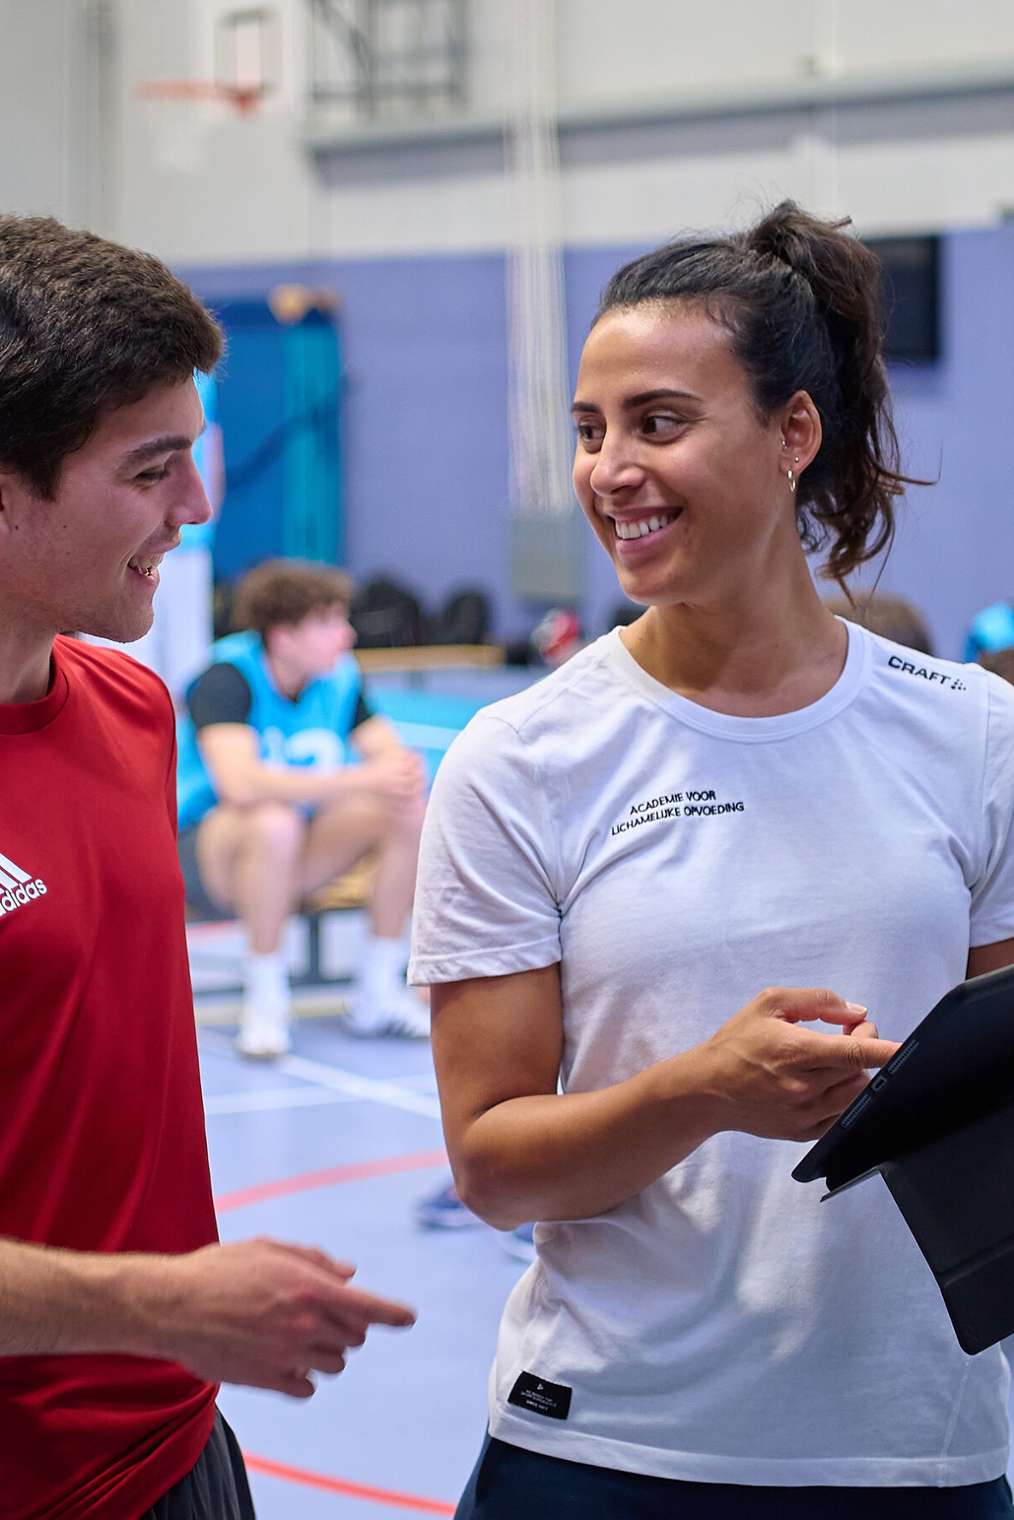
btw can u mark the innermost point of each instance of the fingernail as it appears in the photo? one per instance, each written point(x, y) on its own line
point(857, 1008)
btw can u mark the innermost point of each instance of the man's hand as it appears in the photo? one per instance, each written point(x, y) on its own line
point(259, 1313)
point(397, 778)
point(770, 1077)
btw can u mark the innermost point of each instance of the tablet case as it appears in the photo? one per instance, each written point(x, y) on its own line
point(937, 1122)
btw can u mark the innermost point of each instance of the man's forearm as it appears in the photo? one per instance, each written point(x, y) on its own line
point(296, 785)
point(55, 1302)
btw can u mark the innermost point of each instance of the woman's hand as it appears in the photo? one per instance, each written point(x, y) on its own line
point(769, 1076)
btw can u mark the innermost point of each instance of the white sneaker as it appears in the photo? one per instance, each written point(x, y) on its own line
point(263, 1032)
point(400, 1016)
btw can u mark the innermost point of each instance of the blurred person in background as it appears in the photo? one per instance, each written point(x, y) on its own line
point(1000, 662)
point(119, 1311)
point(274, 806)
point(892, 617)
point(990, 630)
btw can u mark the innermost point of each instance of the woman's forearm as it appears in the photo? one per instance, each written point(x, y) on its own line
point(575, 1155)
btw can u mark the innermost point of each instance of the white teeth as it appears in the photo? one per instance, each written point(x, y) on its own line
point(644, 527)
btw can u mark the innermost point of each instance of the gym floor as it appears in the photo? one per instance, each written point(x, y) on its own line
point(332, 1147)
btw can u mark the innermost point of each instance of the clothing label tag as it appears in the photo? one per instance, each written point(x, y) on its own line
point(550, 1399)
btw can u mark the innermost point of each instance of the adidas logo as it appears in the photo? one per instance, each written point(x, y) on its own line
point(17, 887)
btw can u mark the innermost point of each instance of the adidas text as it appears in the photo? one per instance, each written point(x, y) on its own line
point(16, 897)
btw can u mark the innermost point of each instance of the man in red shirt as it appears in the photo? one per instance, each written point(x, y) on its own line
point(119, 1312)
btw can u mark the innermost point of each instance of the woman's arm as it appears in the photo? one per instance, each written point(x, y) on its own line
point(521, 1151)
point(982, 958)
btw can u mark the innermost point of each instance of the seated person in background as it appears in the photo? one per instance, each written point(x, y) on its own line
point(892, 617)
point(1000, 662)
point(271, 809)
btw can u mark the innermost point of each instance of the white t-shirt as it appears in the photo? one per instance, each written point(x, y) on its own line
point(724, 1325)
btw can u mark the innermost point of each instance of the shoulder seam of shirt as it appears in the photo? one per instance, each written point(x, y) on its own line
point(550, 835)
point(554, 694)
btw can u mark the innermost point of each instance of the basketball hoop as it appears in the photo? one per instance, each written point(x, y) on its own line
point(243, 98)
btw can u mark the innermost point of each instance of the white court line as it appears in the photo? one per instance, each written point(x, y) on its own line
point(424, 1080)
point(278, 1098)
point(337, 1080)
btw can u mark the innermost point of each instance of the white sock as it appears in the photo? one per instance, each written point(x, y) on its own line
point(267, 979)
point(381, 967)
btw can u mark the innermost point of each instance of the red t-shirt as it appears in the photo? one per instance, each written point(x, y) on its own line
point(102, 1144)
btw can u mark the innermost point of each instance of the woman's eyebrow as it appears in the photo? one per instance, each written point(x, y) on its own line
point(641, 399)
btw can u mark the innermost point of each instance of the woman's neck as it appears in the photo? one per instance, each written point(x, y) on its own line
point(749, 661)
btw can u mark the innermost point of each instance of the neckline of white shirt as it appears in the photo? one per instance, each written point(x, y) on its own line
point(732, 726)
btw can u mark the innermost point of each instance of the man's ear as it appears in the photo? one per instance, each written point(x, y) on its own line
point(17, 499)
point(8, 490)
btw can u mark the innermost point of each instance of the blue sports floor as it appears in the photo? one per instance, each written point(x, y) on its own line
point(332, 1147)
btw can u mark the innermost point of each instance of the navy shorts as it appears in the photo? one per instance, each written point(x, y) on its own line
point(509, 1482)
point(215, 1489)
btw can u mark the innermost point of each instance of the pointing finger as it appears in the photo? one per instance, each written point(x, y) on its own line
point(365, 1308)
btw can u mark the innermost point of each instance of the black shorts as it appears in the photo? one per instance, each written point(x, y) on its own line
point(199, 904)
point(216, 1488)
point(508, 1482)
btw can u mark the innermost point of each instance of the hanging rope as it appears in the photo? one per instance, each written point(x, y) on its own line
point(539, 435)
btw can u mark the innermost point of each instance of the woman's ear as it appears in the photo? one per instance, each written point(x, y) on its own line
point(801, 431)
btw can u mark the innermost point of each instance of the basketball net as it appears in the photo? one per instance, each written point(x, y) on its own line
point(539, 436)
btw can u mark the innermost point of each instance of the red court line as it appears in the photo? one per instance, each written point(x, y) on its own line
point(342, 1486)
point(357, 1171)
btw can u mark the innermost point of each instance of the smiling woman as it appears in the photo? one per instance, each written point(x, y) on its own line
point(617, 859)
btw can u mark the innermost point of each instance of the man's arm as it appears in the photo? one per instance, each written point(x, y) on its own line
point(258, 1313)
point(240, 777)
point(376, 738)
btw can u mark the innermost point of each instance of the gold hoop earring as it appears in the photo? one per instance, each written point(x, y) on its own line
point(791, 479)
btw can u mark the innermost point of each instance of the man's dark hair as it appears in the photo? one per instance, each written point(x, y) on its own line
point(286, 591)
point(86, 326)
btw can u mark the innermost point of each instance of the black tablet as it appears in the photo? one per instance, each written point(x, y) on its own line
point(956, 1065)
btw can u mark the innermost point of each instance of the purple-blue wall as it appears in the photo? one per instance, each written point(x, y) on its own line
point(425, 426)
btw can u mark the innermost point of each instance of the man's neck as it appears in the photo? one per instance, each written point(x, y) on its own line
point(288, 680)
point(24, 665)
